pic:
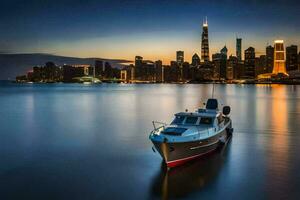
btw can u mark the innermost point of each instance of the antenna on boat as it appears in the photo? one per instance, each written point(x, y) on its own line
point(213, 91)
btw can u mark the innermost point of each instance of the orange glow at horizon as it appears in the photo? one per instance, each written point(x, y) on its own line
point(154, 46)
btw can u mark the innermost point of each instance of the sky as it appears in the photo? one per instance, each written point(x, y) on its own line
point(154, 29)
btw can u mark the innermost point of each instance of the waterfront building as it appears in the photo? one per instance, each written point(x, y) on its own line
point(29, 76)
point(219, 63)
point(249, 72)
point(138, 67)
point(124, 75)
point(205, 72)
point(240, 70)
point(239, 49)
point(185, 71)
point(261, 65)
point(291, 58)
point(83, 67)
point(231, 68)
point(180, 60)
point(128, 75)
point(224, 51)
point(37, 74)
point(279, 59)
point(167, 73)
point(70, 72)
point(269, 58)
point(204, 43)
point(180, 57)
point(51, 72)
point(195, 60)
point(159, 71)
point(174, 75)
point(98, 69)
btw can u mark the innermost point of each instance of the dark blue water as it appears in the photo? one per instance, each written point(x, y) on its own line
point(71, 141)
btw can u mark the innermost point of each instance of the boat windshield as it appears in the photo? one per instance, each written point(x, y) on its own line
point(178, 120)
point(206, 120)
point(191, 120)
point(173, 131)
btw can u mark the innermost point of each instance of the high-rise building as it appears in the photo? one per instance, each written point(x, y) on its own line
point(269, 58)
point(175, 73)
point(138, 69)
point(279, 60)
point(249, 71)
point(185, 71)
point(195, 60)
point(180, 57)
point(231, 68)
point(239, 48)
point(159, 71)
point(224, 51)
point(219, 63)
point(98, 69)
point(204, 43)
point(261, 65)
point(291, 58)
point(138, 61)
point(128, 76)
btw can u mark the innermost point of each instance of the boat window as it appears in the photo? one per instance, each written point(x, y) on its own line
point(173, 131)
point(178, 120)
point(206, 120)
point(191, 120)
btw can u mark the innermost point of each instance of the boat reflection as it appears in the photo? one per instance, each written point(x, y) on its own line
point(188, 178)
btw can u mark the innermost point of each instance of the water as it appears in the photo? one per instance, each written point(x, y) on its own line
point(71, 141)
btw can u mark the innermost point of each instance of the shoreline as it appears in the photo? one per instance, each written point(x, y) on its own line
point(182, 83)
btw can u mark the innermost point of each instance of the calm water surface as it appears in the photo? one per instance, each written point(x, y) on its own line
point(74, 141)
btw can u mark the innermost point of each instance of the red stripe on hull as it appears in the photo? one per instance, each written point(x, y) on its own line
point(178, 162)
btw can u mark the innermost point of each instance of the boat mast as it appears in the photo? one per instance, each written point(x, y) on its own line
point(213, 91)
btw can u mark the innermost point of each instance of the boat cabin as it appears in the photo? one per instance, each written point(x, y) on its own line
point(208, 117)
point(197, 119)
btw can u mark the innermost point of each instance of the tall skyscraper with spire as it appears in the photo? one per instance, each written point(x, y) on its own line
point(239, 48)
point(204, 43)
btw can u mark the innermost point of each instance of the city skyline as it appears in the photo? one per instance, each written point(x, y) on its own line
point(123, 30)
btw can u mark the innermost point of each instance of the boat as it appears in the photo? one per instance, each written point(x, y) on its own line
point(192, 134)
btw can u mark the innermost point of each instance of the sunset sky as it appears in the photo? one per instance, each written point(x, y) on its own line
point(152, 29)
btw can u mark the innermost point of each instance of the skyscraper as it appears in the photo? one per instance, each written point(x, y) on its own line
point(231, 68)
point(270, 58)
point(98, 69)
point(219, 62)
point(138, 69)
point(279, 60)
point(180, 57)
point(250, 63)
point(292, 58)
point(195, 60)
point(239, 48)
point(224, 51)
point(159, 71)
point(204, 43)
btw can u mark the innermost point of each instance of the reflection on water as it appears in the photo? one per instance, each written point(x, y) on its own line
point(184, 180)
point(279, 141)
point(71, 141)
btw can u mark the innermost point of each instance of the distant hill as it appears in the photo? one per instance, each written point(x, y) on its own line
point(12, 65)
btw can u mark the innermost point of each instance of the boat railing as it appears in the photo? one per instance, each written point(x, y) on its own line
point(158, 125)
